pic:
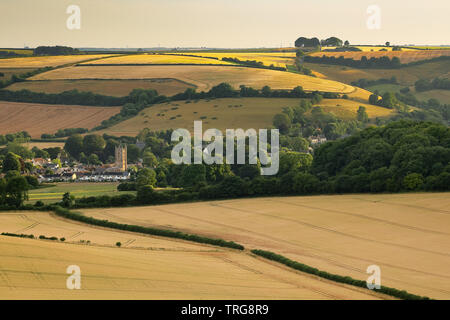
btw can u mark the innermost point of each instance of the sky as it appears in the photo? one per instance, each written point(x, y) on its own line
point(221, 23)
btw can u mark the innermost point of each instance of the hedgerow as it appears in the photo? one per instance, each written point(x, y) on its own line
point(145, 230)
point(29, 236)
point(402, 294)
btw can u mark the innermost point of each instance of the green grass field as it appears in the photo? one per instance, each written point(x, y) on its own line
point(385, 87)
point(225, 113)
point(54, 192)
point(405, 76)
point(443, 96)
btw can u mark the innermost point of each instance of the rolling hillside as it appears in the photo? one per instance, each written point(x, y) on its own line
point(406, 235)
point(405, 76)
point(246, 113)
point(37, 119)
point(203, 77)
point(406, 56)
point(144, 267)
point(47, 61)
point(115, 88)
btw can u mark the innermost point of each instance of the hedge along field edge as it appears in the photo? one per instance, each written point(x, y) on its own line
point(65, 213)
point(146, 230)
point(401, 294)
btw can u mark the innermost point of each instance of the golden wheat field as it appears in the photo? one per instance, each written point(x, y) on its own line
point(47, 61)
point(37, 119)
point(156, 59)
point(18, 51)
point(347, 109)
point(406, 56)
point(115, 88)
point(204, 77)
point(43, 145)
point(144, 267)
point(243, 113)
point(278, 59)
point(406, 235)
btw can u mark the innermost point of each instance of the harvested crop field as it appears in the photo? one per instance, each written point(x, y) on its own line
point(145, 267)
point(157, 59)
point(204, 77)
point(347, 109)
point(9, 72)
point(116, 88)
point(406, 56)
point(256, 113)
point(43, 145)
point(47, 61)
point(37, 119)
point(406, 235)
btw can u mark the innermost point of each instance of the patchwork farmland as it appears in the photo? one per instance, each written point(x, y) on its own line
point(404, 56)
point(37, 119)
point(156, 59)
point(115, 88)
point(254, 113)
point(145, 267)
point(406, 235)
point(406, 76)
point(47, 61)
point(204, 77)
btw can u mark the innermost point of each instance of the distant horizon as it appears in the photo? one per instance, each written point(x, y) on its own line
point(220, 23)
point(218, 48)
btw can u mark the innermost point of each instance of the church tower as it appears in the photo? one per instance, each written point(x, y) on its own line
point(121, 157)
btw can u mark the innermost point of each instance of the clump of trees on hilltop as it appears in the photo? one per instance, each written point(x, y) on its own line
point(55, 51)
point(315, 42)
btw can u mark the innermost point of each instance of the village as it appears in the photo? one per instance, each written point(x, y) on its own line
point(63, 171)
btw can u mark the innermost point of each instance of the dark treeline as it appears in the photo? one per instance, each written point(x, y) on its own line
point(22, 136)
point(382, 62)
point(253, 64)
point(225, 90)
point(436, 83)
point(343, 49)
point(375, 63)
point(72, 97)
point(22, 77)
point(364, 83)
point(61, 133)
point(11, 54)
point(55, 51)
point(334, 277)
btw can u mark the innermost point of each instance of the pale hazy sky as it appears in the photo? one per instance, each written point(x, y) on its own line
point(220, 23)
